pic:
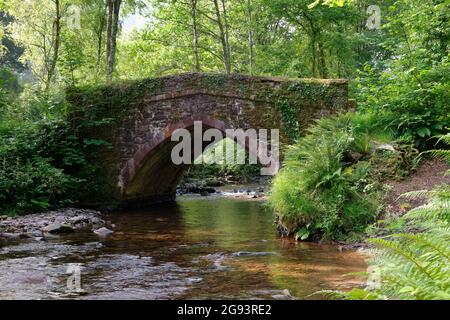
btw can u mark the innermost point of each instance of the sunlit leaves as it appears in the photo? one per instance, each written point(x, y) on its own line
point(331, 3)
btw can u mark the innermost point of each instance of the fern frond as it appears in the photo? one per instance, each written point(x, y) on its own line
point(444, 138)
point(440, 153)
point(428, 243)
point(434, 210)
point(395, 251)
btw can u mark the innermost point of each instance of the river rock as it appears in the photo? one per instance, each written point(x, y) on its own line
point(103, 232)
point(286, 295)
point(79, 220)
point(26, 235)
point(35, 233)
point(10, 236)
point(97, 222)
point(57, 228)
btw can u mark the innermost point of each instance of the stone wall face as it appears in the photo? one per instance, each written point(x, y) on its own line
point(138, 119)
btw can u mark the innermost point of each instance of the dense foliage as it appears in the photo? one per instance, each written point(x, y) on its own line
point(412, 87)
point(35, 158)
point(331, 181)
point(414, 266)
point(405, 86)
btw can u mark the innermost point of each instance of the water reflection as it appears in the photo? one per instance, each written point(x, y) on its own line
point(195, 249)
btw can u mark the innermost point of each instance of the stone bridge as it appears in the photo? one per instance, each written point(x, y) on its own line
point(126, 128)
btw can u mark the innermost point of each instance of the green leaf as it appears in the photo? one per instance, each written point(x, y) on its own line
point(423, 132)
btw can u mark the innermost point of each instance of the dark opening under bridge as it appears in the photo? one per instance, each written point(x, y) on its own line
point(127, 127)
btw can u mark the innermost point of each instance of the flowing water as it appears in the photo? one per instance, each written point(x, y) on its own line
point(198, 248)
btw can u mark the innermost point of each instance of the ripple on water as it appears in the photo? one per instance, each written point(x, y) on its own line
point(195, 250)
point(124, 276)
point(109, 276)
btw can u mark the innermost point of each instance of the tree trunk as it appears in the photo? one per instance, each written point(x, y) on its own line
point(100, 36)
point(195, 31)
point(111, 43)
point(110, 5)
point(226, 58)
point(322, 64)
point(313, 57)
point(56, 41)
point(250, 36)
point(227, 33)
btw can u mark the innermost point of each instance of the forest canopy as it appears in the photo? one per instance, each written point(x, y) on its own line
point(87, 41)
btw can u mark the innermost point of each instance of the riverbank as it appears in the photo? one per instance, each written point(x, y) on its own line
point(47, 225)
point(429, 174)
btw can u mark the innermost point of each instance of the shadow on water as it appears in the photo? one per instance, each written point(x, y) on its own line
point(196, 249)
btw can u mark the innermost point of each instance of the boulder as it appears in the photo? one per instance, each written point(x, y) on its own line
point(57, 228)
point(213, 182)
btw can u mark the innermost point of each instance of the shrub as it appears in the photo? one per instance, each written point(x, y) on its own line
point(322, 190)
point(9, 89)
point(411, 102)
point(34, 162)
point(32, 186)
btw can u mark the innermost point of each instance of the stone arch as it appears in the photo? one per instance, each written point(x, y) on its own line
point(151, 176)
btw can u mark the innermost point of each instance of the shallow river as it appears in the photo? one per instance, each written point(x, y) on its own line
point(198, 248)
